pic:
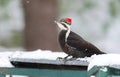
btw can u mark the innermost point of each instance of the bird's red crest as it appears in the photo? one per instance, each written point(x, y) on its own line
point(69, 20)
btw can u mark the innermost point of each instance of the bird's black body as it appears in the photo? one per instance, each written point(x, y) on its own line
point(76, 46)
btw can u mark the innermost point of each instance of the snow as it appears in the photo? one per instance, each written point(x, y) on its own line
point(47, 56)
point(4, 59)
point(38, 54)
point(112, 60)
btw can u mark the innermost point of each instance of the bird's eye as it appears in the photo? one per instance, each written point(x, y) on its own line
point(64, 25)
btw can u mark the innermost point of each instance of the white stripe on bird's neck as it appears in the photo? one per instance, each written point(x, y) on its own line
point(64, 28)
point(68, 32)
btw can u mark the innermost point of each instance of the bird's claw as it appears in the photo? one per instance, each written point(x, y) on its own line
point(59, 58)
point(65, 59)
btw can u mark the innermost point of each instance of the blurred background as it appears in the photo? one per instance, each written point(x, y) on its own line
point(29, 24)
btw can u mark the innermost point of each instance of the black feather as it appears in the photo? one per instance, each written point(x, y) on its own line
point(76, 46)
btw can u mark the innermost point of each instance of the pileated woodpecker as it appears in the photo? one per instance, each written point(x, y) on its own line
point(73, 44)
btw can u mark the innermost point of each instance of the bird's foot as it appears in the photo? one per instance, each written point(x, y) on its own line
point(59, 58)
point(68, 58)
point(65, 59)
point(71, 59)
point(62, 59)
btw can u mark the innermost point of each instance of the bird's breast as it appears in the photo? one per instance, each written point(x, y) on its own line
point(62, 41)
point(67, 48)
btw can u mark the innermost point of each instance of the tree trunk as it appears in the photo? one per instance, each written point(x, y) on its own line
point(40, 29)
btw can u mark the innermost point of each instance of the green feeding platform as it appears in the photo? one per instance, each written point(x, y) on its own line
point(106, 65)
point(45, 64)
point(43, 67)
point(104, 71)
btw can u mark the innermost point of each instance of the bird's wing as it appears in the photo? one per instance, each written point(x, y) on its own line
point(74, 40)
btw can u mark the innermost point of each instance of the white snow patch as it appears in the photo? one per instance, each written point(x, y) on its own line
point(104, 60)
point(39, 54)
point(48, 57)
point(42, 56)
point(4, 59)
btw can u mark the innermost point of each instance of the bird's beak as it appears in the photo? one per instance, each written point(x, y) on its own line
point(60, 25)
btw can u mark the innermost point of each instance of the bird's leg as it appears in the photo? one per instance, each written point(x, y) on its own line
point(73, 58)
point(59, 58)
point(69, 59)
point(66, 57)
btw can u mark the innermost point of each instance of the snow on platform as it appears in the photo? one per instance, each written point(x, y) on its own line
point(38, 56)
point(4, 59)
point(111, 60)
point(46, 57)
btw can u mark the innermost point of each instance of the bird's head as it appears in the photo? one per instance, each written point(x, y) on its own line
point(64, 24)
